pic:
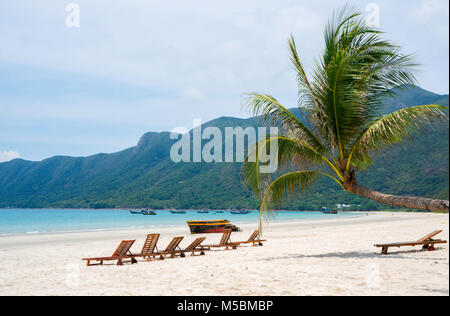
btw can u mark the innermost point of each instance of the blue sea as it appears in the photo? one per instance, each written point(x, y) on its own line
point(38, 221)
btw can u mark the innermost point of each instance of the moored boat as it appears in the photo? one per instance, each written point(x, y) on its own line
point(206, 227)
point(203, 212)
point(240, 212)
point(143, 212)
point(177, 212)
point(148, 213)
point(326, 210)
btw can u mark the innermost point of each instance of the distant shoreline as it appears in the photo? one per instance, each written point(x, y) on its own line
point(188, 210)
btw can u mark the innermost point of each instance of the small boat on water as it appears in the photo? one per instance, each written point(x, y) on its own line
point(148, 213)
point(206, 227)
point(177, 212)
point(240, 212)
point(203, 212)
point(143, 212)
point(220, 212)
point(326, 210)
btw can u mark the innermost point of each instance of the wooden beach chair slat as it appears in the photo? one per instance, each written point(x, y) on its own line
point(174, 244)
point(195, 246)
point(171, 249)
point(224, 241)
point(150, 244)
point(431, 235)
point(254, 240)
point(254, 235)
point(225, 237)
point(123, 248)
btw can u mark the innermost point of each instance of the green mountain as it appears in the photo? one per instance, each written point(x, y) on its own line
point(144, 175)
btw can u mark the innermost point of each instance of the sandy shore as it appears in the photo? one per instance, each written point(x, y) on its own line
point(333, 257)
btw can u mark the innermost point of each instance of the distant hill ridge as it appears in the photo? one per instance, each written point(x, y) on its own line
point(144, 175)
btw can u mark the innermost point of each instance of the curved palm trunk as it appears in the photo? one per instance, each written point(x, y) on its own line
point(401, 201)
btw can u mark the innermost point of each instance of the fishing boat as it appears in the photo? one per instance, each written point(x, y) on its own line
point(240, 212)
point(148, 213)
point(135, 212)
point(177, 212)
point(206, 227)
point(326, 210)
point(220, 212)
point(203, 212)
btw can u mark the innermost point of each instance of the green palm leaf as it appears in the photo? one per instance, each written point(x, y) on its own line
point(279, 191)
point(291, 152)
point(358, 69)
point(357, 72)
point(392, 129)
point(276, 114)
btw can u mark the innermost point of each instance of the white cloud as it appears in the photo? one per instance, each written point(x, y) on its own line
point(432, 15)
point(195, 58)
point(299, 19)
point(428, 8)
point(195, 94)
point(8, 155)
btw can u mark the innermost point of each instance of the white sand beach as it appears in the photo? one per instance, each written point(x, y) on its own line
point(332, 257)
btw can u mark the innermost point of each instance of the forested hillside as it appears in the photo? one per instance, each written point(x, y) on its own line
point(144, 175)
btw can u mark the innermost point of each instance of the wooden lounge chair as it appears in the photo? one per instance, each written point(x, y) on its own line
point(196, 246)
point(122, 252)
point(224, 242)
point(172, 249)
point(427, 242)
point(252, 240)
point(149, 247)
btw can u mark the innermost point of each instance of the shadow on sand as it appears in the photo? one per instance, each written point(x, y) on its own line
point(363, 255)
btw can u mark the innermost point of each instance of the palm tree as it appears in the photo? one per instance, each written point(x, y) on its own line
point(343, 126)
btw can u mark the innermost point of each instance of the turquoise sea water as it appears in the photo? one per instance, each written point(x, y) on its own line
point(35, 221)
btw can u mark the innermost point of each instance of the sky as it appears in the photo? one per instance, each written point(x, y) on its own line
point(129, 67)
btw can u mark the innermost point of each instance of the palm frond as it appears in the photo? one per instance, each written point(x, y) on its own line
point(279, 191)
point(306, 98)
point(356, 73)
point(282, 188)
point(276, 114)
point(291, 153)
point(392, 129)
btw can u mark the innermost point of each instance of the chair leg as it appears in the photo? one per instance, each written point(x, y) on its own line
point(384, 251)
point(119, 262)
